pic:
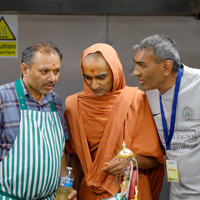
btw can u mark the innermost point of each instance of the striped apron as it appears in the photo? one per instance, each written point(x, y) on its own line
point(31, 168)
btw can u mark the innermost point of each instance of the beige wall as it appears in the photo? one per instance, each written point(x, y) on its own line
point(74, 33)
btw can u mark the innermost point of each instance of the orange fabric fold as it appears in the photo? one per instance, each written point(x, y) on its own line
point(98, 125)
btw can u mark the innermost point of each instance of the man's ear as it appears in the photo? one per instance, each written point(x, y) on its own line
point(24, 68)
point(167, 67)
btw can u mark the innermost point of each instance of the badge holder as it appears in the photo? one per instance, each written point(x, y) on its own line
point(172, 171)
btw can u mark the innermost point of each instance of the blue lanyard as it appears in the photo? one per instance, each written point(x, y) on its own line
point(168, 138)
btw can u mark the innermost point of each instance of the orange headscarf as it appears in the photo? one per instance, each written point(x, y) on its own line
point(98, 125)
point(113, 60)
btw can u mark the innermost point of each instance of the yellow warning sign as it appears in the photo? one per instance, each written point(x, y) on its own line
point(8, 49)
point(5, 31)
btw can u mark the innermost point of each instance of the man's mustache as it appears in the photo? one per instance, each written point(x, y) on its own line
point(49, 83)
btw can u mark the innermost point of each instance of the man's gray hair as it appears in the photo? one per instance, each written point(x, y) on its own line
point(163, 47)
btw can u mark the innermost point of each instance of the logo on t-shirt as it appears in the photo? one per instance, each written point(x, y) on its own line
point(187, 113)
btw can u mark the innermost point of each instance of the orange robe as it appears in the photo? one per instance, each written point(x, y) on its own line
point(98, 125)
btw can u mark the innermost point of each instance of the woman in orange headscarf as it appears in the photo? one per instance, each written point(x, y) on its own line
point(100, 118)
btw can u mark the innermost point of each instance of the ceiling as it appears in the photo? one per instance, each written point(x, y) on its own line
point(103, 7)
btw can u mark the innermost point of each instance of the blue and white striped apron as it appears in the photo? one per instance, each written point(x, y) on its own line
point(31, 168)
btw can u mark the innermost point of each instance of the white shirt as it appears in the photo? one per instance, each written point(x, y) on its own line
point(185, 144)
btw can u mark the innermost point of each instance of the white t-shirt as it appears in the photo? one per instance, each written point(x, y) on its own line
point(185, 144)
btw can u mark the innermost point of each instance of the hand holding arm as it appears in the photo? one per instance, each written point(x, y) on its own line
point(117, 166)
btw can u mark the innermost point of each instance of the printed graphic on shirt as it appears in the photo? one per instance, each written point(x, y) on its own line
point(187, 113)
point(183, 140)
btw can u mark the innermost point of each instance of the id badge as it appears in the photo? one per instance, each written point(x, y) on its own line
point(172, 171)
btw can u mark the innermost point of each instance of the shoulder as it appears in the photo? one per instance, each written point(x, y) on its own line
point(7, 86)
point(57, 100)
point(190, 78)
point(7, 91)
point(189, 71)
point(72, 99)
point(71, 103)
point(136, 92)
point(136, 96)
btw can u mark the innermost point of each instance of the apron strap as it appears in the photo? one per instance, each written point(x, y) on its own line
point(21, 97)
point(53, 109)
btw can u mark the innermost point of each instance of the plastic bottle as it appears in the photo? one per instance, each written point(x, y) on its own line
point(65, 184)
